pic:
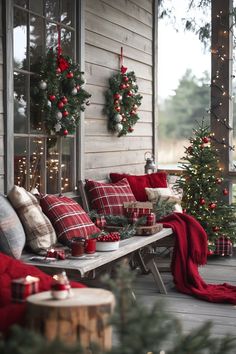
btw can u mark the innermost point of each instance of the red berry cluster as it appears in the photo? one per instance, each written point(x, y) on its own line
point(111, 237)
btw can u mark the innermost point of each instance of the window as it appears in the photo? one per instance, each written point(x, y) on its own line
point(42, 161)
point(184, 67)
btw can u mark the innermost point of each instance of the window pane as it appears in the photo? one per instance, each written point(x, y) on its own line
point(67, 164)
point(52, 165)
point(37, 163)
point(67, 38)
point(52, 9)
point(22, 3)
point(183, 84)
point(51, 35)
point(36, 6)
point(36, 125)
point(67, 13)
point(20, 103)
point(36, 40)
point(20, 39)
point(20, 162)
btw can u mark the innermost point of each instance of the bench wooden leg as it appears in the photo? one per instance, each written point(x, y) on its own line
point(156, 275)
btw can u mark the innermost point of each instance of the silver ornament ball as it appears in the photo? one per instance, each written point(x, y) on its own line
point(43, 85)
point(118, 118)
point(118, 127)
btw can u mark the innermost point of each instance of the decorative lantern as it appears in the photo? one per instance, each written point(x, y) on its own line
point(150, 164)
point(60, 288)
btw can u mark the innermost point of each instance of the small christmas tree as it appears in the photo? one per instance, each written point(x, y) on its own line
point(204, 196)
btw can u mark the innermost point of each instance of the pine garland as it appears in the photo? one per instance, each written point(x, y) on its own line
point(58, 93)
point(122, 102)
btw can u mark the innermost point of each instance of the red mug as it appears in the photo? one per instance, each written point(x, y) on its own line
point(90, 245)
point(77, 247)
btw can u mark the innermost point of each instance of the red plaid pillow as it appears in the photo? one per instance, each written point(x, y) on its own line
point(108, 198)
point(224, 247)
point(67, 217)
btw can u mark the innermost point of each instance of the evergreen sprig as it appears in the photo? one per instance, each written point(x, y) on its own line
point(122, 102)
point(57, 93)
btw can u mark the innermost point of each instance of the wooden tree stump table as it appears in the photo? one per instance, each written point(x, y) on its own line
point(83, 317)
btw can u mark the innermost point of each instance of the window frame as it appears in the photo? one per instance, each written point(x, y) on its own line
point(79, 48)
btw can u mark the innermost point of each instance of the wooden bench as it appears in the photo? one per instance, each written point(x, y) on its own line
point(87, 266)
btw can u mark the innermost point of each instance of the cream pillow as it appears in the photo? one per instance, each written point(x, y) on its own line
point(159, 195)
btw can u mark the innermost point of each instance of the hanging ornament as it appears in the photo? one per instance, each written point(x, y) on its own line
point(219, 180)
point(59, 115)
point(202, 201)
point(57, 127)
point(74, 91)
point(122, 97)
point(225, 191)
point(205, 139)
point(118, 118)
point(212, 206)
point(215, 228)
point(190, 150)
point(65, 113)
point(118, 127)
point(43, 85)
point(54, 70)
point(65, 132)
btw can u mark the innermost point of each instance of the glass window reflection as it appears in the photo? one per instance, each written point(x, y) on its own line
point(67, 164)
point(20, 39)
point(20, 162)
point(20, 103)
point(52, 165)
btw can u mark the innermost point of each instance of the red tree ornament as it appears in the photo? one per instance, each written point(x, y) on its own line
point(70, 75)
point(215, 228)
point(225, 191)
point(65, 132)
point(205, 140)
point(122, 86)
point(125, 79)
point(65, 113)
point(64, 100)
point(60, 105)
point(117, 109)
point(123, 69)
point(116, 96)
point(212, 206)
point(219, 180)
point(202, 201)
point(52, 98)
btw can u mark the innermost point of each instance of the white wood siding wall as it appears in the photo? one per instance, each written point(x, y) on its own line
point(110, 24)
point(1, 108)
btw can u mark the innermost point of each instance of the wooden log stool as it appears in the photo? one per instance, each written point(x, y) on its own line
point(83, 317)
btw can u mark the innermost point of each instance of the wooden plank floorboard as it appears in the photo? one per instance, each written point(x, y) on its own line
point(193, 312)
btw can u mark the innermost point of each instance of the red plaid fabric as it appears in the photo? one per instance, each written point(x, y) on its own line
point(67, 217)
point(108, 198)
point(224, 247)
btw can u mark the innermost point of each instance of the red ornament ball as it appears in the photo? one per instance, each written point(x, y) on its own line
point(129, 93)
point(225, 191)
point(219, 180)
point(116, 102)
point(125, 79)
point(64, 100)
point(132, 112)
point(116, 96)
point(58, 71)
point(190, 150)
point(117, 109)
point(202, 201)
point(205, 140)
point(65, 132)
point(212, 206)
point(60, 105)
point(65, 113)
point(70, 75)
point(52, 98)
point(122, 86)
point(215, 228)
point(130, 129)
point(184, 211)
point(78, 87)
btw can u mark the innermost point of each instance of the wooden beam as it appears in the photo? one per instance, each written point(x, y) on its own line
point(154, 78)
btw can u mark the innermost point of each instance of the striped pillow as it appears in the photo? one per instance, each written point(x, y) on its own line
point(108, 198)
point(40, 234)
point(67, 217)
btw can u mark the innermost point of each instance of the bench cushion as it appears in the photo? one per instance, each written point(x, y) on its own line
point(108, 198)
point(12, 234)
point(67, 217)
point(138, 183)
point(40, 234)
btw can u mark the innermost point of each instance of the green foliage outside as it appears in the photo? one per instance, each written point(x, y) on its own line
point(139, 330)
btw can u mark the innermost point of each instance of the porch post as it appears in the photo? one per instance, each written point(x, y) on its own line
point(155, 81)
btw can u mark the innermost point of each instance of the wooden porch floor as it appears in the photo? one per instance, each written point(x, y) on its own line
point(189, 310)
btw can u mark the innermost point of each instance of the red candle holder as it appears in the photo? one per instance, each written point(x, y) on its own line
point(60, 288)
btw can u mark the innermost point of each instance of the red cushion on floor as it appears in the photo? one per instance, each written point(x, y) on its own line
point(158, 180)
point(10, 268)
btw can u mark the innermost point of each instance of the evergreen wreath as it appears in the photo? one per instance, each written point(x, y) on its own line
point(122, 101)
point(58, 93)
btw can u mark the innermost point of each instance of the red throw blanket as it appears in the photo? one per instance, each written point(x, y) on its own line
point(190, 251)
